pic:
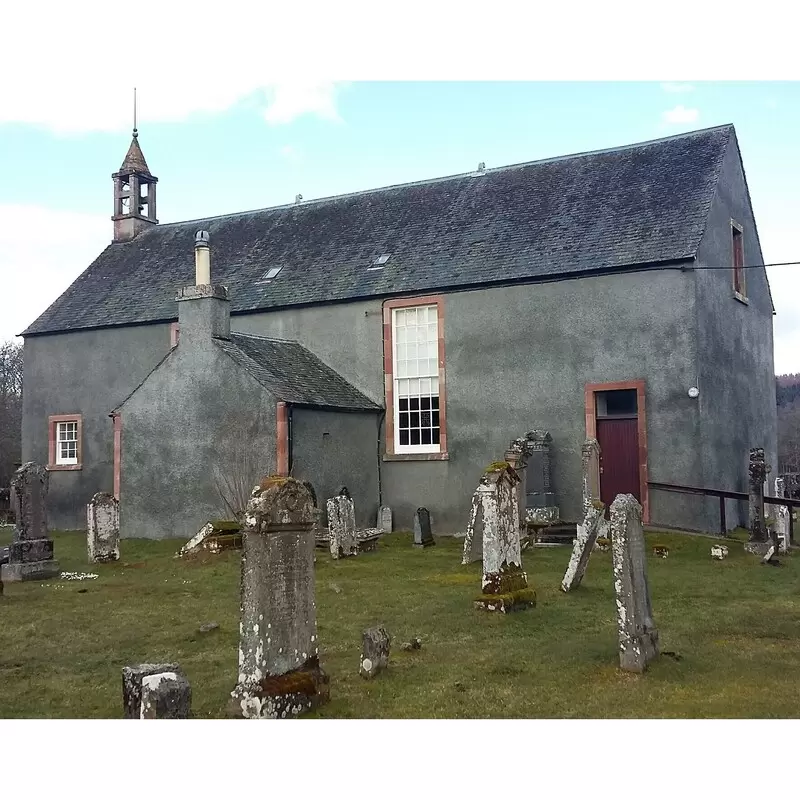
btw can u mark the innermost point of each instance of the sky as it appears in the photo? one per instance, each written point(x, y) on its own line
point(234, 140)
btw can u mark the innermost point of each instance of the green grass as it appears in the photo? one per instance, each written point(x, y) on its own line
point(735, 624)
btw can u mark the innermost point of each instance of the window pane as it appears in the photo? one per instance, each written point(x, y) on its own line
point(403, 437)
point(426, 436)
point(435, 435)
point(424, 402)
point(402, 369)
point(400, 318)
point(415, 437)
point(413, 403)
point(403, 419)
point(425, 419)
point(435, 418)
point(403, 404)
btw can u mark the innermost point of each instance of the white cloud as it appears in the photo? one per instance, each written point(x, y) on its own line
point(42, 252)
point(680, 115)
point(291, 153)
point(677, 88)
point(74, 77)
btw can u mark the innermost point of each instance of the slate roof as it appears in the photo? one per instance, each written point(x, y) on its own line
point(294, 374)
point(612, 209)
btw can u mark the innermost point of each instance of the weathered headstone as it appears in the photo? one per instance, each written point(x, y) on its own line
point(538, 484)
point(781, 515)
point(279, 672)
point(342, 525)
point(132, 677)
point(638, 636)
point(102, 523)
point(504, 585)
point(384, 522)
point(31, 551)
point(374, 652)
point(760, 541)
point(422, 528)
point(214, 537)
point(583, 547)
point(590, 469)
point(166, 695)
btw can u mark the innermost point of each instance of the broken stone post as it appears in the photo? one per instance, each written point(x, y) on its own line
point(638, 636)
point(374, 652)
point(279, 672)
point(422, 528)
point(504, 585)
point(342, 525)
point(760, 541)
point(166, 695)
point(132, 678)
point(384, 521)
point(584, 544)
point(102, 523)
point(31, 551)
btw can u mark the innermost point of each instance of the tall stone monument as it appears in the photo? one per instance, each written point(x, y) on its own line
point(31, 551)
point(504, 585)
point(638, 636)
point(279, 671)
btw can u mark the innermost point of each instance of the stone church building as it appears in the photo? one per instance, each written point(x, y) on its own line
point(395, 341)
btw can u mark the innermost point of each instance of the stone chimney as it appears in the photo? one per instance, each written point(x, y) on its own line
point(204, 310)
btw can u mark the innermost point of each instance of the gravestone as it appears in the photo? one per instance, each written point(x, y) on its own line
point(504, 585)
point(638, 636)
point(760, 541)
point(590, 469)
point(781, 517)
point(102, 524)
point(166, 695)
point(279, 672)
point(374, 652)
point(582, 549)
point(132, 677)
point(30, 555)
point(538, 485)
point(719, 551)
point(384, 522)
point(342, 525)
point(422, 528)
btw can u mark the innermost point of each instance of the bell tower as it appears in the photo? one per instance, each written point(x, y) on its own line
point(134, 192)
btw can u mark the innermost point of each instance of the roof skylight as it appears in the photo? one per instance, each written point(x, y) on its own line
point(377, 263)
point(269, 274)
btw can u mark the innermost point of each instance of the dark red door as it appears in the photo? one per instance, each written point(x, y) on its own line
point(619, 458)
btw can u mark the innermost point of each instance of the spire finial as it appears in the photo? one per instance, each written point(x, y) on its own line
point(135, 132)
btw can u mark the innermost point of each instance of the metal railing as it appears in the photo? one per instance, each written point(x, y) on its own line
point(724, 495)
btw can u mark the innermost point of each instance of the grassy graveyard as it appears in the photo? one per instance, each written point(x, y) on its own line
point(733, 627)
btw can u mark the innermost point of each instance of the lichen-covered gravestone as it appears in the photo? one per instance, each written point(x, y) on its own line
point(638, 636)
point(279, 672)
point(102, 523)
point(342, 525)
point(760, 540)
point(133, 691)
point(374, 652)
point(781, 517)
point(31, 551)
point(422, 528)
point(504, 585)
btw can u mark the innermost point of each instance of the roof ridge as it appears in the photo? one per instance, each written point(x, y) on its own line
point(456, 176)
point(266, 338)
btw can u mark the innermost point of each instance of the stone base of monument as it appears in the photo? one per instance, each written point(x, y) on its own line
point(281, 696)
point(29, 571)
point(166, 695)
point(132, 679)
point(506, 591)
point(367, 539)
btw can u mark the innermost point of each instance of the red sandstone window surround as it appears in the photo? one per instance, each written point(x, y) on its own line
point(174, 334)
point(64, 437)
point(737, 243)
point(414, 378)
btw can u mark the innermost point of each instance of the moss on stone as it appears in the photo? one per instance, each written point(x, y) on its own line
point(497, 466)
point(508, 601)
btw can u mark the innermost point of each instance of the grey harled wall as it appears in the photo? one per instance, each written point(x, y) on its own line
point(87, 372)
point(197, 413)
point(735, 347)
point(333, 449)
point(518, 358)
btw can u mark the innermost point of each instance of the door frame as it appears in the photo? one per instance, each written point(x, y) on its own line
point(590, 407)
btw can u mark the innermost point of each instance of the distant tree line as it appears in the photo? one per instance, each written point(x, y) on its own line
point(10, 409)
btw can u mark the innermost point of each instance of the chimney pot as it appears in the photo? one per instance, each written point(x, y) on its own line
point(202, 259)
